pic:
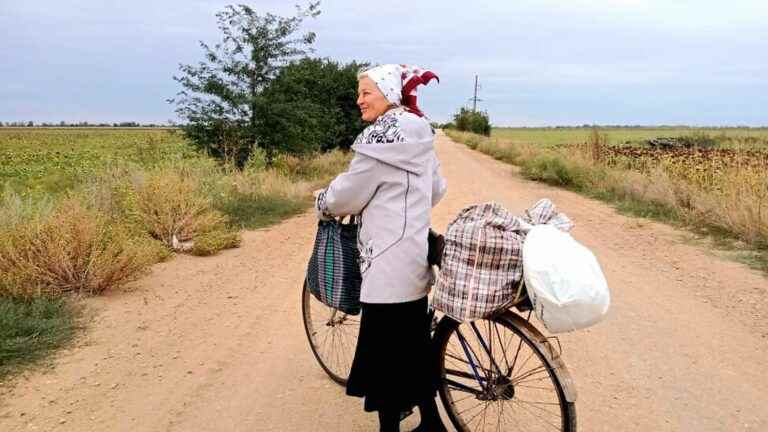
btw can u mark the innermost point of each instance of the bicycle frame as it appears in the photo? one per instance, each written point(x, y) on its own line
point(482, 375)
point(474, 361)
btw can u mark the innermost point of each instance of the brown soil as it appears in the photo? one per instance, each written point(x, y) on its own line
point(217, 344)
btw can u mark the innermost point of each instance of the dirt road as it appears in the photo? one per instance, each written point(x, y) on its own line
point(217, 344)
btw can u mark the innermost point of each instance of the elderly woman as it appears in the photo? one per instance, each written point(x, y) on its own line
point(392, 182)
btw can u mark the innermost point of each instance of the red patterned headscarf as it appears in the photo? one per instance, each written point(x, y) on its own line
point(398, 83)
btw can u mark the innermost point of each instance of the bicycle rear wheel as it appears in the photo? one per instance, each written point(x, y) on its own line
point(510, 384)
point(332, 336)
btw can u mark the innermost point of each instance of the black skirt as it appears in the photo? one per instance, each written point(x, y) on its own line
point(395, 365)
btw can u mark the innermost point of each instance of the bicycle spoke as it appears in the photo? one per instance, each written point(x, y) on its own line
point(501, 345)
point(465, 398)
point(462, 387)
point(540, 409)
point(524, 363)
point(546, 377)
point(485, 411)
point(530, 373)
point(517, 353)
point(501, 416)
point(472, 407)
point(518, 385)
point(332, 335)
point(475, 415)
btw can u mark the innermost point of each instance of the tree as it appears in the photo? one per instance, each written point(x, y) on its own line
point(472, 121)
point(222, 95)
point(311, 106)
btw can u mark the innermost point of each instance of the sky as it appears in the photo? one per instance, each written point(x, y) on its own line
point(539, 62)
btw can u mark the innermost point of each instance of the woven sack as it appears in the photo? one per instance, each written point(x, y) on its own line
point(333, 274)
point(482, 266)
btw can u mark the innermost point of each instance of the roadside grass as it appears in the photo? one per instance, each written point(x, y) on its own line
point(95, 210)
point(731, 213)
point(31, 329)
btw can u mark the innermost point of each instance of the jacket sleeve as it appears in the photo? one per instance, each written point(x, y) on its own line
point(439, 185)
point(350, 191)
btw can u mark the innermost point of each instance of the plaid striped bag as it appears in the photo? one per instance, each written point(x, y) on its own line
point(333, 274)
point(482, 266)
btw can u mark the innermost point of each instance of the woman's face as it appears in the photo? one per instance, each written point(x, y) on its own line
point(371, 101)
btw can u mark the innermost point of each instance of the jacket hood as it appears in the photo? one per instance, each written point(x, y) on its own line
point(400, 139)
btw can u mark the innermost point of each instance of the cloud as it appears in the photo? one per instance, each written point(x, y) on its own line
point(538, 60)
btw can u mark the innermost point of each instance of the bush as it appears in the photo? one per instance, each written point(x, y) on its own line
point(175, 210)
point(472, 121)
point(69, 249)
point(548, 168)
point(31, 328)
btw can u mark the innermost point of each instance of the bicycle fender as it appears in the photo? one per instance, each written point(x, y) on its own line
point(543, 344)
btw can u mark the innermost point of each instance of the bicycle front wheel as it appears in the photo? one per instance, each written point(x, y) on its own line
point(496, 377)
point(332, 336)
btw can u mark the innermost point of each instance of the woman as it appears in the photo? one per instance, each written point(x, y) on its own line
point(393, 182)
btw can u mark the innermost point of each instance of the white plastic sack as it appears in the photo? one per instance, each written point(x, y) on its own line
point(564, 281)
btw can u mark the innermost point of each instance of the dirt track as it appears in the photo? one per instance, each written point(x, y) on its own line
point(216, 344)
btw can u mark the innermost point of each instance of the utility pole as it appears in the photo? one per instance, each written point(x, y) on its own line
point(474, 99)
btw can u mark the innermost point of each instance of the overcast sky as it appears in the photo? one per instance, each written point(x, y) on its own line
point(540, 62)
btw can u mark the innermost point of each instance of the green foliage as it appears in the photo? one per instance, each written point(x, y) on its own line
point(311, 106)
point(552, 169)
point(222, 98)
point(698, 139)
point(31, 328)
point(214, 241)
point(36, 162)
point(257, 210)
point(472, 121)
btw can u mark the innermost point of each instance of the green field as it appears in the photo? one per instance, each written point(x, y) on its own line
point(726, 137)
point(43, 161)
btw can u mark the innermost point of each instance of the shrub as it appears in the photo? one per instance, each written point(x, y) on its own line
point(553, 169)
point(472, 121)
point(31, 328)
point(69, 249)
point(175, 210)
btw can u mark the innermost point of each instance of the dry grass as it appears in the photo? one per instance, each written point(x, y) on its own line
point(69, 249)
point(174, 211)
point(730, 202)
point(107, 231)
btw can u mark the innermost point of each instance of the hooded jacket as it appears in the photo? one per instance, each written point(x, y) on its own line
point(392, 182)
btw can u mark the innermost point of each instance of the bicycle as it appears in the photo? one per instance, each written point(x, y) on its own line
point(512, 366)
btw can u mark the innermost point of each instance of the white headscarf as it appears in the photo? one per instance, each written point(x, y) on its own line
point(398, 83)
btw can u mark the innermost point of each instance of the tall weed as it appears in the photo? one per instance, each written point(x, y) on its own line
point(69, 249)
point(734, 202)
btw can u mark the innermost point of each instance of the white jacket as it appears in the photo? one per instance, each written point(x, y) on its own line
point(393, 181)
